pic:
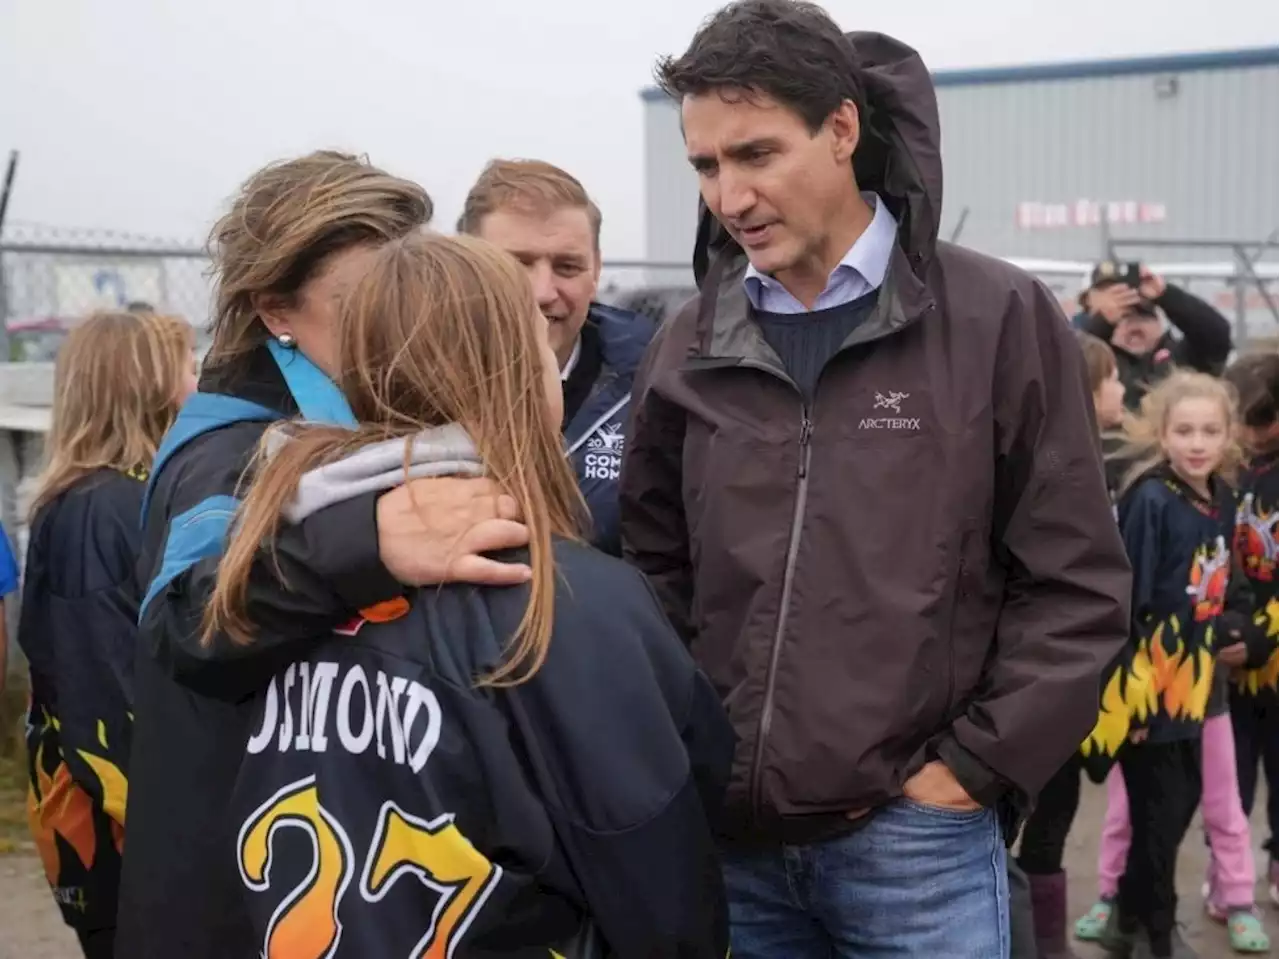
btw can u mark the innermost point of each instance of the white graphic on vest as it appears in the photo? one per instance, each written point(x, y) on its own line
point(892, 402)
point(604, 452)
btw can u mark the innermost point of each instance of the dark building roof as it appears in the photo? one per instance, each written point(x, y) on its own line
point(1164, 63)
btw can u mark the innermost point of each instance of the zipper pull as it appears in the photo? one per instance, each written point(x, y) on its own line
point(806, 431)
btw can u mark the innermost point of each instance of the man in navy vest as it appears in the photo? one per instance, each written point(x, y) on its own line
point(543, 217)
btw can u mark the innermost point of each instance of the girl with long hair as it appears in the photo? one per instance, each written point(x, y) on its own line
point(118, 383)
point(1176, 514)
point(294, 240)
point(480, 772)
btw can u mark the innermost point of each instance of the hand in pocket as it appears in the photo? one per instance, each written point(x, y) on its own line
point(934, 785)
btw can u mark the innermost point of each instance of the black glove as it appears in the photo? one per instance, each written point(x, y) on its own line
point(1234, 627)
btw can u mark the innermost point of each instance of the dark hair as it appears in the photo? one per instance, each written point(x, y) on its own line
point(1254, 377)
point(1098, 359)
point(789, 50)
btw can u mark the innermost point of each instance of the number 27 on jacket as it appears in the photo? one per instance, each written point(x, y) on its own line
point(306, 925)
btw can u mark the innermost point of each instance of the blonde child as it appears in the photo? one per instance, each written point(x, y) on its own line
point(118, 383)
point(1176, 513)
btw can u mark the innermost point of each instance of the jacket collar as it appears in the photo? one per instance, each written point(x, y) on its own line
point(624, 337)
point(727, 335)
point(253, 376)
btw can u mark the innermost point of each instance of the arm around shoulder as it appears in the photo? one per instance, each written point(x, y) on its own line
point(314, 575)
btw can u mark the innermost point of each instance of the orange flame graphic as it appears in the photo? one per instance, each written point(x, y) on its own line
point(57, 806)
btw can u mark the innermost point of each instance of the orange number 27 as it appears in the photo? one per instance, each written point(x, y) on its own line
point(443, 860)
point(305, 925)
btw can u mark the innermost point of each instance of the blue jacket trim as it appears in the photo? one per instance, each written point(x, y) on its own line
point(201, 413)
point(318, 397)
point(201, 531)
point(197, 534)
point(8, 566)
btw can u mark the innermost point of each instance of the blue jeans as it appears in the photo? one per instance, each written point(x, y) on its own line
point(915, 881)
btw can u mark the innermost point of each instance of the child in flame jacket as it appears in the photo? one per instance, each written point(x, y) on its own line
point(1253, 690)
point(1177, 516)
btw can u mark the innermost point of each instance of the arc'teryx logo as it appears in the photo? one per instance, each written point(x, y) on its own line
point(892, 402)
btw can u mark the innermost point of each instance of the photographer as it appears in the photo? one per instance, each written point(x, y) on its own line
point(1124, 309)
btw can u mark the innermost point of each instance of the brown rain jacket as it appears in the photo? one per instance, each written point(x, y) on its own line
point(921, 564)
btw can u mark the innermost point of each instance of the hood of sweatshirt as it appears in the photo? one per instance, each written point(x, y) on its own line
point(440, 451)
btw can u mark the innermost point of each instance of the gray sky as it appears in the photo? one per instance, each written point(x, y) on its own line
point(143, 115)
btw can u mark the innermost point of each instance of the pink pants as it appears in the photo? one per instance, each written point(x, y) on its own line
point(1231, 875)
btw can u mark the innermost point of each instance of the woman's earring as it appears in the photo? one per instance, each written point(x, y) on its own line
point(287, 340)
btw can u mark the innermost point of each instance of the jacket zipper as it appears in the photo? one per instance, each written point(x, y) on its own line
point(788, 580)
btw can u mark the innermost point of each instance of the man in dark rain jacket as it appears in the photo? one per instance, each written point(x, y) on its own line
point(864, 478)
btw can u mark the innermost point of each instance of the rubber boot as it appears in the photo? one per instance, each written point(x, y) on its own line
point(1118, 942)
point(1049, 906)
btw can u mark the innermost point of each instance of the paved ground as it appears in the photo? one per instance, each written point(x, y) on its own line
point(1209, 939)
point(31, 929)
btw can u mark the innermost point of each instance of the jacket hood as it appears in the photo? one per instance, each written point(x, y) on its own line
point(899, 156)
point(624, 336)
point(442, 451)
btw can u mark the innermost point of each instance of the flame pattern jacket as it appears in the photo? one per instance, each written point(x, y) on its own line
point(78, 630)
point(1179, 546)
point(1256, 550)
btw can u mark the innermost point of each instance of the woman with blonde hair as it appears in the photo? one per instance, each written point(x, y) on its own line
point(119, 381)
point(481, 772)
point(296, 238)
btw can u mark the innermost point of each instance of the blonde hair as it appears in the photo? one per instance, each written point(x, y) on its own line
point(286, 221)
point(117, 381)
point(1143, 433)
point(440, 330)
point(525, 185)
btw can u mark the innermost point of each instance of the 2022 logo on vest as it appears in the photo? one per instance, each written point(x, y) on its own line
point(604, 452)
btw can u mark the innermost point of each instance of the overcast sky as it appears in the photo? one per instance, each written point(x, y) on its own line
point(143, 115)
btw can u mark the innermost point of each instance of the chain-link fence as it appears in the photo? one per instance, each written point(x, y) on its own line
point(50, 278)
